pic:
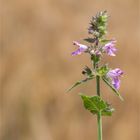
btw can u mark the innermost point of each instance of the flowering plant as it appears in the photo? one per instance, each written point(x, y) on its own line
point(98, 46)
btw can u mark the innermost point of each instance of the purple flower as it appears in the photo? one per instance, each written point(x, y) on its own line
point(114, 75)
point(81, 48)
point(109, 48)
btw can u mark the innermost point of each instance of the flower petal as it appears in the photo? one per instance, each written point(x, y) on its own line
point(81, 48)
point(115, 73)
point(116, 83)
point(109, 48)
point(77, 52)
point(114, 76)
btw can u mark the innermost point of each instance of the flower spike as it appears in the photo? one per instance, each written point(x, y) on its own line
point(98, 46)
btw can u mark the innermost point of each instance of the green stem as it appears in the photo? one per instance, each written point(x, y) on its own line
point(99, 119)
point(99, 116)
point(98, 85)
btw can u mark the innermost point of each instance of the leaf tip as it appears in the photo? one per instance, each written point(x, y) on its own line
point(80, 94)
point(121, 98)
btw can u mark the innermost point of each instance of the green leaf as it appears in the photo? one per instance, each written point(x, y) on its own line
point(80, 82)
point(90, 40)
point(104, 41)
point(111, 86)
point(103, 70)
point(95, 105)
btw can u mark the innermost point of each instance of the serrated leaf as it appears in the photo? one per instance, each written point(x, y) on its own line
point(95, 105)
point(80, 82)
point(90, 40)
point(89, 104)
point(111, 86)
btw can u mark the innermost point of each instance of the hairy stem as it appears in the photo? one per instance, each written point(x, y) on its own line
point(98, 85)
point(99, 116)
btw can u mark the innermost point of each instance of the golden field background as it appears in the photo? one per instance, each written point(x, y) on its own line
point(37, 68)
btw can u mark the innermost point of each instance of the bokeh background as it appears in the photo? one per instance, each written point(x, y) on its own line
point(37, 69)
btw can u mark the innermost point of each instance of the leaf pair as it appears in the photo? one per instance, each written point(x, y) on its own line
point(96, 105)
point(102, 71)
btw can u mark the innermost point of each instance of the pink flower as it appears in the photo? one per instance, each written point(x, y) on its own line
point(114, 75)
point(81, 48)
point(109, 48)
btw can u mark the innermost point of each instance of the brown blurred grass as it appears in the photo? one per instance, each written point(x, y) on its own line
point(36, 69)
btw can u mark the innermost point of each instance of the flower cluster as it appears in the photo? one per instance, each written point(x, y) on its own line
point(108, 48)
point(99, 46)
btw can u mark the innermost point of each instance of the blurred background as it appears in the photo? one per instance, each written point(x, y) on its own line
point(37, 68)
